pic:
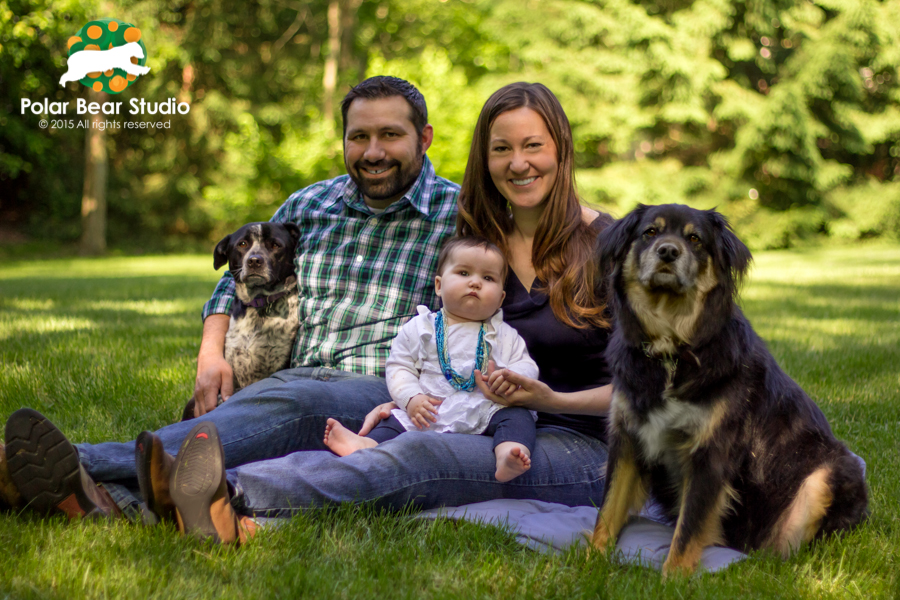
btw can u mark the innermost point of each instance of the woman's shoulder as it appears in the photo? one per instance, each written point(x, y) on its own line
point(595, 219)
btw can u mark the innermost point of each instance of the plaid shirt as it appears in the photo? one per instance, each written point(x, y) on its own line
point(360, 274)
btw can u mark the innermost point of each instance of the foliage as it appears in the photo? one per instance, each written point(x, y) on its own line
point(788, 104)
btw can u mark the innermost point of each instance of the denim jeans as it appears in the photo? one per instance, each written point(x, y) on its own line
point(270, 418)
point(423, 470)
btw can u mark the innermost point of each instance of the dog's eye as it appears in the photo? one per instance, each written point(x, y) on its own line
point(651, 232)
point(694, 238)
point(243, 244)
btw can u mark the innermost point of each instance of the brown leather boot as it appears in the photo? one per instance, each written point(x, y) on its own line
point(154, 468)
point(10, 498)
point(44, 467)
point(199, 489)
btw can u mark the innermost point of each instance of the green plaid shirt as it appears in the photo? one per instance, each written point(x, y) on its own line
point(360, 274)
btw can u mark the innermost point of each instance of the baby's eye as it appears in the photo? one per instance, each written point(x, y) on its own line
point(464, 273)
point(488, 278)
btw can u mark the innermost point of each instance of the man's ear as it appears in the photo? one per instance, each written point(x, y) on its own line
point(427, 137)
point(220, 254)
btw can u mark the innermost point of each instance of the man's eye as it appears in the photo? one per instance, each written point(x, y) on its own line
point(651, 232)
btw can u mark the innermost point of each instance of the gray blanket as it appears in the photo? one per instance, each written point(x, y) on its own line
point(549, 527)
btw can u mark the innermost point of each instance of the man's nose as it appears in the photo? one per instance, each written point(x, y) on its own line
point(374, 151)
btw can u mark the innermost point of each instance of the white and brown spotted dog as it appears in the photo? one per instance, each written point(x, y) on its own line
point(702, 416)
point(264, 319)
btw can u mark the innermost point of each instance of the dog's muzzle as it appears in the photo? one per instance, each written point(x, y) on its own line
point(667, 265)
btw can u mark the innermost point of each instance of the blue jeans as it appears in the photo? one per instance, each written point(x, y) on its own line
point(273, 417)
point(425, 470)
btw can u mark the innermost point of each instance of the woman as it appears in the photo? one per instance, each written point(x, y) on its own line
point(518, 192)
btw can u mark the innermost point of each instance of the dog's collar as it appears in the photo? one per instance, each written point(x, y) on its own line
point(263, 301)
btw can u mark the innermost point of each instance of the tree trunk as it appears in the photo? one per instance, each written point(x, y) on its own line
point(329, 80)
point(93, 199)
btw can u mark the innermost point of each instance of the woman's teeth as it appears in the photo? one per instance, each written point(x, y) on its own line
point(523, 181)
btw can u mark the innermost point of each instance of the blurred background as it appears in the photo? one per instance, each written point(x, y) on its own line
point(783, 114)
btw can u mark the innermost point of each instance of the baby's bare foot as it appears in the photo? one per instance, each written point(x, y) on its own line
point(512, 461)
point(342, 441)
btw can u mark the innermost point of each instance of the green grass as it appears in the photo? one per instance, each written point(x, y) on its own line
point(106, 348)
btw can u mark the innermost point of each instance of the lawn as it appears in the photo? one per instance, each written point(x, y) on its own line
point(106, 348)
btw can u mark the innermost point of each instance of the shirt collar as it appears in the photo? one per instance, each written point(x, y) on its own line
point(418, 195)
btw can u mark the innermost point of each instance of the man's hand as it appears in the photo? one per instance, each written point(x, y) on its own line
point(214, 378)
point(214, 374)
point(423, 410)
point(375, 416)
point(528, 392)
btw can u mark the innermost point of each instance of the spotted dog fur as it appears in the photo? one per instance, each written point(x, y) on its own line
point(702, 416)
point(264, 320)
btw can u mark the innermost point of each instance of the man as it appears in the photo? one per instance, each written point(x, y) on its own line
point(365, 259)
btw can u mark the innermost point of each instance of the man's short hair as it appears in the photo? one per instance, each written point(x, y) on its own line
point(385, 86)
point(469, 241)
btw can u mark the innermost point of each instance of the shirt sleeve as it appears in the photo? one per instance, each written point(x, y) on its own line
point(518, 358)
point(222, 297)
point(403, 365)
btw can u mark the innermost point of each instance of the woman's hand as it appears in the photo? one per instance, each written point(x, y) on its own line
point(422, 409)
point(376, 416)
point(524, 391)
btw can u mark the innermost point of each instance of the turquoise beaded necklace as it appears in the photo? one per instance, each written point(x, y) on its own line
point(482, 354)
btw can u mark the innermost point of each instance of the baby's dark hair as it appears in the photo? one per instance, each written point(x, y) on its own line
point(470, 241)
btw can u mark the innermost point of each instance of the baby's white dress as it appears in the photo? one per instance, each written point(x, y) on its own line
point(413, 367)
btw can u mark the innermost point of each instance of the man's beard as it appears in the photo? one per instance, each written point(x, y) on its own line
point(389, 187)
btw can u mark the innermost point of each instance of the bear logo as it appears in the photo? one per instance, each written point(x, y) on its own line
point(106, 55)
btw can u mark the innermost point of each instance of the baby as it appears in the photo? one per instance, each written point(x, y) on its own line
point(431, 368)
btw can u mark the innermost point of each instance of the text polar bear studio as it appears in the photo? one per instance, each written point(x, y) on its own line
point(95, 61)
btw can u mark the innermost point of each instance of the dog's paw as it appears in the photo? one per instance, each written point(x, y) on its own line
point(678, 566)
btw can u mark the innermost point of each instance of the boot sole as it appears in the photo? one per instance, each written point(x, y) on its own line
point(44, 466)
point(143, 452)
point(196, 477)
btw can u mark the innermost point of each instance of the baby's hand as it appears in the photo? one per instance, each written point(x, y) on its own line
point(499, 385)
point(423, 410)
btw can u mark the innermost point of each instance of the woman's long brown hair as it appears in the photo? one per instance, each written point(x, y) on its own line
point(563, 242)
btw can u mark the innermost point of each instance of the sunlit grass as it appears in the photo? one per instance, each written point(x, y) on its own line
point(107, 348)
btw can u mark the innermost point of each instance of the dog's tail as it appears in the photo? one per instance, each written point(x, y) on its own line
point(849, 506)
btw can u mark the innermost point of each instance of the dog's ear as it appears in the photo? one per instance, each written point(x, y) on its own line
point(614, 242)
point(293, 230)
point(732, 256)
point(220, 254)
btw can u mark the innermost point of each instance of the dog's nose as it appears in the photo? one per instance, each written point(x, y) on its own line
point(668, 252)
point(254, 262)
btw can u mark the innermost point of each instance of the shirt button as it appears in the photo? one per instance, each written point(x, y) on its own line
point(359, 258)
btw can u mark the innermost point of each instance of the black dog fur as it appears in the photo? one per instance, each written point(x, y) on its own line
point(702, 417)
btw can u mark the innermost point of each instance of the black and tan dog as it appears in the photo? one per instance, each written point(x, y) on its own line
point(702, 417)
